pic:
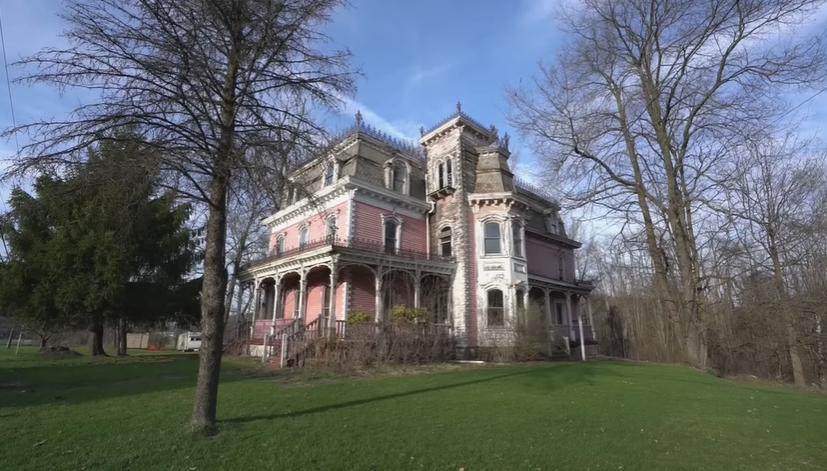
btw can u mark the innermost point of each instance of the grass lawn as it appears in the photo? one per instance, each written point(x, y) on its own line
point(114, 414)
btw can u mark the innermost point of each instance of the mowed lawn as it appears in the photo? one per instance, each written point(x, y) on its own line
point(114, 414)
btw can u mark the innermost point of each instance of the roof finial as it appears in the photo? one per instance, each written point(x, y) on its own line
point(421, 131)
point(459, 107)
point(358, 117)
point(505, 140)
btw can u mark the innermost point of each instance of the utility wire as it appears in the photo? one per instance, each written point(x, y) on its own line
point(8, 83)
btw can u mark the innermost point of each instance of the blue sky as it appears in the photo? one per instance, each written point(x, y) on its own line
point(420, 58)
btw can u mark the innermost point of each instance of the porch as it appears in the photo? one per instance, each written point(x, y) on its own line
point(319, 287)
point(565, 308)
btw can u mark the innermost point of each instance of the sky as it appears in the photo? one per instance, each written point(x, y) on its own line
point(419, 57)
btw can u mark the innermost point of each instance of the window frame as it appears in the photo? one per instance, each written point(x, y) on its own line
point(398, 168)
point(329, 173)
point(518, 239)
point(494, 312)
point(446, 234)
point(304, 236)
point(395, 238)
point(487, 238)
point(278, 247)
point(331, 228)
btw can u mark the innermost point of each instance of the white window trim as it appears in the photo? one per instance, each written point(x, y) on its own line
point(503, 243)
point(390, 175)
point(279, 237)
point(506, 311)
point(439, 238)
point(398, 220)
point(514, 223)
point(305, 226)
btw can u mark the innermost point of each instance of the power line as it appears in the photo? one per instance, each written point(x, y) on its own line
point(8, 83)
point(800, 104)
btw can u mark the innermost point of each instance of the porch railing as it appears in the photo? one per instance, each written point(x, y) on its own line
point(354, 243)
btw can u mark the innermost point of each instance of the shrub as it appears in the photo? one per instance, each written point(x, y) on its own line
point(359, 316)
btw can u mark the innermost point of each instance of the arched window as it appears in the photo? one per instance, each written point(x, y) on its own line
point(449, 177)
point(495, 308)
point(560, 265)
point(290, 195)
point(492, 238)
point(329, 173)
point(441, 176)
point(330, 229)
point(399, 177)
point(279, 245)
point(445, 242)
point(303, 233)
point(518, 239)
point(391, 236)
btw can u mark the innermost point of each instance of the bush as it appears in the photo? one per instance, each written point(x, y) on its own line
point(359, 316)
point(401, 314)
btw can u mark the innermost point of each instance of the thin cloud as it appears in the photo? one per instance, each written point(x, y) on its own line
point(421, 75)
point(406, 130)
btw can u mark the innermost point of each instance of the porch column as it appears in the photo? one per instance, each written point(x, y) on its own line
point(569, 314)
point(302, 294)
point(417, 289)
point(378, 288)
point(582, 337)
point(275, 306)
point(257, 300)
point(591, 318)
point(332, 306)
point(547, 307)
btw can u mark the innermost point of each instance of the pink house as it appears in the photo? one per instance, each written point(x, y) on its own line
point(375, 223)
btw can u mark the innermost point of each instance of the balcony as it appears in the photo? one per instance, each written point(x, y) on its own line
point(352, 243)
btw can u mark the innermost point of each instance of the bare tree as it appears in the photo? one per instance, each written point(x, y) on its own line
point(214, 85)
point(645, 104)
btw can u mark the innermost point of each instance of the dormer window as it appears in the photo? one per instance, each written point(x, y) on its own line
point(329, 173)
point(551, 223)
point(399, 177)
point(303, 234)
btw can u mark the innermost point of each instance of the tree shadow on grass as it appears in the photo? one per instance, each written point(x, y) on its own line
point(75, 381)
point(369, 400)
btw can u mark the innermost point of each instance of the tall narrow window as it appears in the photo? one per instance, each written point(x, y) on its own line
point(279, 245)
point(303, 233)
point(520, 301)
point(400, 176)
point(449, 177)
point(290, 195)
point(560, 267)
point(441, 179)
point(496, 311)
point(445, 242)
point(330, 230)
point(391, 228)
point(492, 238)
point(329, 173)
point(518, 239)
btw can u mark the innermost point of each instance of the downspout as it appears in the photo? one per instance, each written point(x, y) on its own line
point(428, 221)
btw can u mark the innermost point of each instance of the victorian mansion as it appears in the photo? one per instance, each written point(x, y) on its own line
point(375, 223)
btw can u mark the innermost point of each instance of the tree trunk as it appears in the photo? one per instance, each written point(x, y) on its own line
point(96, 340)
point(11, 334)
point(121, 340)
point(212, 309)
point(821, 354)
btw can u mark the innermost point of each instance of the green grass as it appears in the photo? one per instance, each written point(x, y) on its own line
point(132, 414)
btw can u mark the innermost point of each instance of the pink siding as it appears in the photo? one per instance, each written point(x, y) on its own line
point(542, 258)
point(316, 227)
point(367, 225)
